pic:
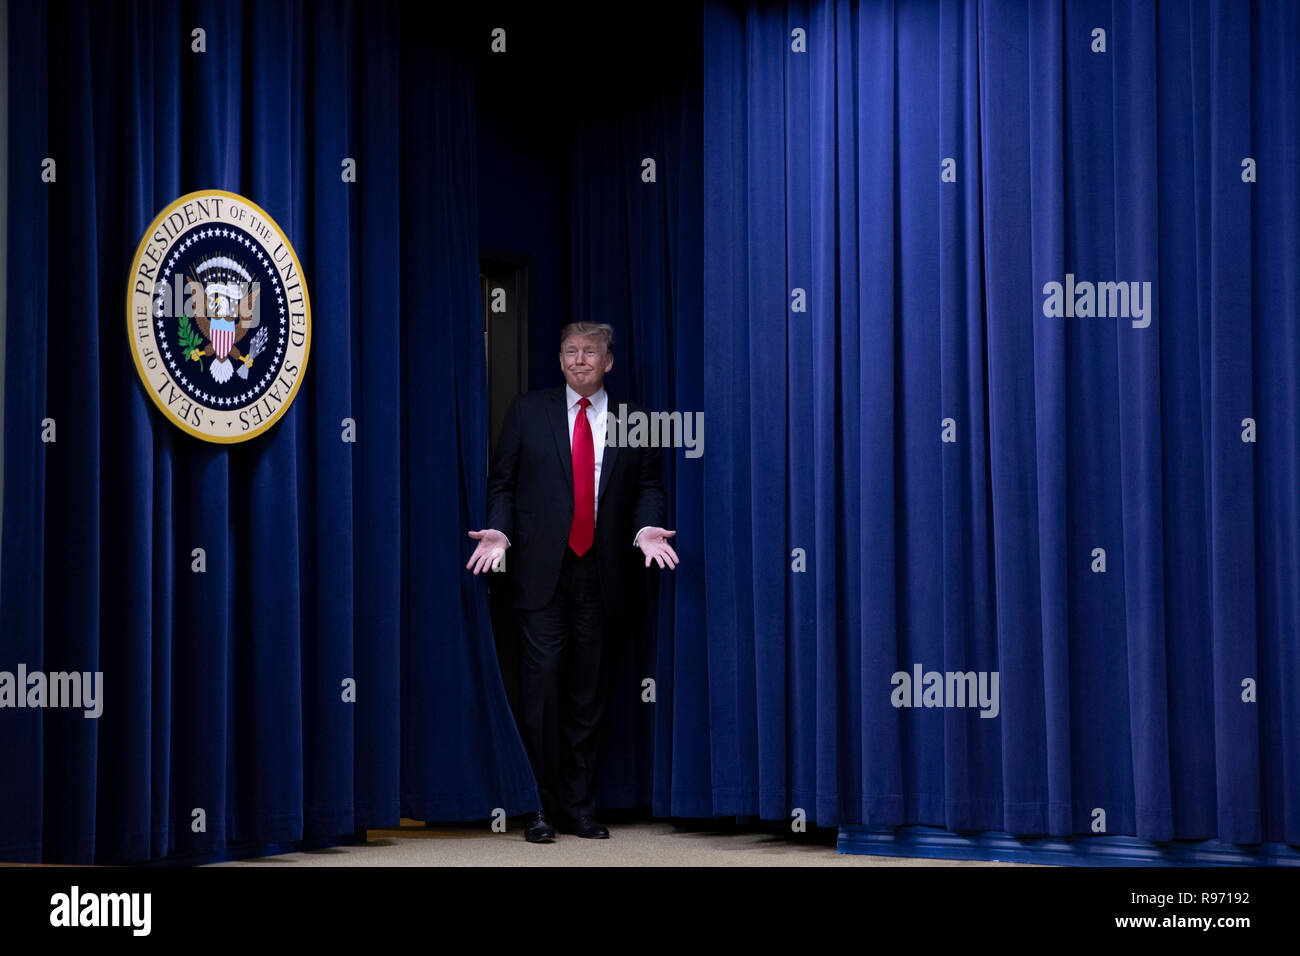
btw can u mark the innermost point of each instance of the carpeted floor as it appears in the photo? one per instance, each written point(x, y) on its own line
point(656, 843)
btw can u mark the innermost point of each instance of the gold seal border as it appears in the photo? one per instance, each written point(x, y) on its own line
point(130, 325)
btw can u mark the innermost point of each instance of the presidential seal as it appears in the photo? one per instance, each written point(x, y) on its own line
point(218, 316)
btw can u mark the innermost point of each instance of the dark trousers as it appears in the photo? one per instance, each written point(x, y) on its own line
point(560, 688)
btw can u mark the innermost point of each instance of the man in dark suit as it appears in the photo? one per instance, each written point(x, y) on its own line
point(573, 510)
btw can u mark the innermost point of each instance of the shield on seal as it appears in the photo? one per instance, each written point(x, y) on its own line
point(223, 336)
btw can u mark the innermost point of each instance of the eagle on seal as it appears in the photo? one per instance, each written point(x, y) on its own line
point(219, 303)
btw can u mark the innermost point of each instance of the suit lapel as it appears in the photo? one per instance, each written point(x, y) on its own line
point(559, 413)
point(611, 451)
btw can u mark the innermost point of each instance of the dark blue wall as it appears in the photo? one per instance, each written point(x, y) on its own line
point(524, 137)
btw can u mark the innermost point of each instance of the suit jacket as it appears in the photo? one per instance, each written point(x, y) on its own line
point(530, 499)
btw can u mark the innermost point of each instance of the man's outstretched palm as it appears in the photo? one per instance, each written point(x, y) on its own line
point(491, 547)
point(653, 542)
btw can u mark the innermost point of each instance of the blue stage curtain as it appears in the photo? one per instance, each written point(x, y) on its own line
point(921, 172)
point(636, 258)
point(326, 560)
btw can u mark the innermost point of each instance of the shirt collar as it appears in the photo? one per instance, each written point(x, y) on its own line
point(597, 400)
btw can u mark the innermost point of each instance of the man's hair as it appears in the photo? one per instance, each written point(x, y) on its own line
point(589, 328)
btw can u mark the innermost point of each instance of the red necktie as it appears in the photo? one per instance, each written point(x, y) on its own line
point(583, 529)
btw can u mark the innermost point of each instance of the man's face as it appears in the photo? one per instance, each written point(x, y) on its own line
point(584, 361)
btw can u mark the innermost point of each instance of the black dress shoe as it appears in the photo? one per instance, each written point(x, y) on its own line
point(539, 830)
point(586, 827)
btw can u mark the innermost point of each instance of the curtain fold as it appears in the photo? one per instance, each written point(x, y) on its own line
point(326, 560)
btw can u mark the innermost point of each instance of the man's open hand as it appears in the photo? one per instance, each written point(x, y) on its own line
point(491, 549)
point(653, 542)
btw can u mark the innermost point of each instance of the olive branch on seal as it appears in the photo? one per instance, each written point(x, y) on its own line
point(189, 339)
